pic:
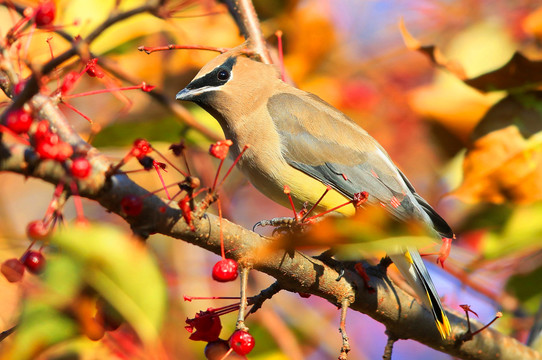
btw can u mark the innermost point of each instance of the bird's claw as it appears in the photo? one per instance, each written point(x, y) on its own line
point(281, 224)
point(444, 251)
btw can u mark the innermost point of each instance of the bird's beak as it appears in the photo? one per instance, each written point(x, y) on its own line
point(185, 94)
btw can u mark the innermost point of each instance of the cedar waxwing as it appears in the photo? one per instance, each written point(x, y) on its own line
point(299, 140)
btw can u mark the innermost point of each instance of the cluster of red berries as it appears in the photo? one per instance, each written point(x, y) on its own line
point(241, 342)
point(13, 269)
point(48, 144)
point(33, 261)
point(206, 326)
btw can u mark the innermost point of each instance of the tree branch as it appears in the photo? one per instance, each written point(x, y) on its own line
point(390, 305)
point(247, 21)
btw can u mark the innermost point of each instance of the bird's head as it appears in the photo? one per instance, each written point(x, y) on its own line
point(231, 84)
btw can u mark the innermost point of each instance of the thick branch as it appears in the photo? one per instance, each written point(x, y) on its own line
point(400, 313)
point(389, 305)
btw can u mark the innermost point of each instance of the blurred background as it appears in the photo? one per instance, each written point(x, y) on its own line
point(482, 180)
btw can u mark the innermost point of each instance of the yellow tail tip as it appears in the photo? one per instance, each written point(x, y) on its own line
point(444, 327)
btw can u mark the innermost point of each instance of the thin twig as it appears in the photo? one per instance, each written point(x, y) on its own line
point(389, 345)
point(4, 334)
point(266, 294)
point(243, 279)
point(345, 348)
point(246, 19)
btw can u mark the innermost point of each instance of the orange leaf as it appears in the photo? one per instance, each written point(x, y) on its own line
point(503, 166)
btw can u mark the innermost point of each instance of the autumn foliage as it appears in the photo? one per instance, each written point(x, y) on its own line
point(105, 179)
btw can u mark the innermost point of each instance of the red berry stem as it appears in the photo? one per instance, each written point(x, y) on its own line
point(22, 21)
point(157, 168)
point(77, 202)
point(217, 173)
point(180, 150)
point(150, 193)
point(316, 203)
point(356, 202)
point(78, 112)
point(55, 203)
point(234, 163)
point(143, 86)
point(48, 40)
point(169, 163)
point(287, 191)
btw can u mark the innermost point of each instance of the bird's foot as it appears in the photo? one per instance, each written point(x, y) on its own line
point(444, 251)
point(281, 224)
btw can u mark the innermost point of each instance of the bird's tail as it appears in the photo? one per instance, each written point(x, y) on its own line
point(411, 266)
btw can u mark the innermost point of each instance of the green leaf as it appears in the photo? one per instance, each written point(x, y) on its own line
point(41, 326)
point(122, 271)
point(116, 267)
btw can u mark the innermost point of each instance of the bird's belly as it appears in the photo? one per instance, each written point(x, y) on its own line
point(303, 189)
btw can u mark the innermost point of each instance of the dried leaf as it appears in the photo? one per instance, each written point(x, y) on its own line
point(516, 73)
point(432, 52)
point(523, 110)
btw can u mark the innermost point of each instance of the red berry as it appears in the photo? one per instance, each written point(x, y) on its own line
point(45, 13)
point(13, 270)
point(19, 121)
point(34, 261)
point(80, 168)
point(147, 88)
point(141, 148)
point(93, 70)
point(50, 138)
point(131, 205)
point(46, 150)
point(220, 149)
point(69, 81)
point(19, 87)
point(225, 270)
point(36, 230)
point(216, 349)
point(42, 131)
point(242, 342)
point(64, 151)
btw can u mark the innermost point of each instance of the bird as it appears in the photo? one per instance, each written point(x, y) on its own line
point(300, 141)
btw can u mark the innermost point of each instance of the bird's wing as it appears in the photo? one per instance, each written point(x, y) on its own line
point(325, 144)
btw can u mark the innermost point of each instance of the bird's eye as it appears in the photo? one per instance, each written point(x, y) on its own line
point(223, 75)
